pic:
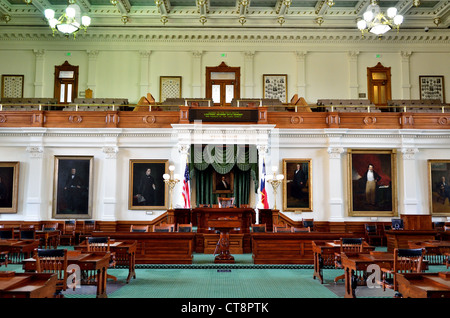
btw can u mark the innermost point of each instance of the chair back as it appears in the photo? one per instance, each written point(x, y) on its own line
point(138, 228)
point(89, 226)
point(301, 229)
point(98, 244)
point(6, 233)
point(225, 202)
point(351, 245)
point(27, 234)
point(259, 228)
point(164, 228)
point(308, 223)
point(53, 261)
point(371, 229)
point(281, 229)
point(408, 260)
point(50, 227)
point(184, 227)
point(70, 226)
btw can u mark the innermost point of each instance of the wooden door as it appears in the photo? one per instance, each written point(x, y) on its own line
point(66, 83)
point(222, 84)
point(379, 84)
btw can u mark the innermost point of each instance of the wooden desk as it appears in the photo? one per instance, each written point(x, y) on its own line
point(97, 262)
point(224, 225)
point(401, 238)
point(289, 248)
point(157, 248)
point(27, 285)
point(324, 255)
point(424, 285)
point(359, 262)
point(18, 250)
point(245, 217)
point(125, 254)
point(50, 236)
point(434, 251)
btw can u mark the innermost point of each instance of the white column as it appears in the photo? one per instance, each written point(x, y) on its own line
point(301, 74)
point(335, 184)
point(110, 173)
point(144, 82)
point(197, 74)
point(92, 70)
point(409, 172)
point(249, 81)
point(353, 74)
point(33, 203)
point(405, 76)
point(39, 73)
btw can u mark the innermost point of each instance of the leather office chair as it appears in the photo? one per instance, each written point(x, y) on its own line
point(6, 233)
point(405, 261)
point(139, 228)
point(164, 228)
point(54, 261)
point(259, 228)
point(102, 244)
point(225, 202)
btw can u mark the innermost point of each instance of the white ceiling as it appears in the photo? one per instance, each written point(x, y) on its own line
point(226, 13)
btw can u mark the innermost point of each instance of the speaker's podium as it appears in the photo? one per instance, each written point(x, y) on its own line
point(224, 226)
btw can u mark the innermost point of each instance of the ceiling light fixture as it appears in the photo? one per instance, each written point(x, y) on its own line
point(378, 23)
point(70, 22)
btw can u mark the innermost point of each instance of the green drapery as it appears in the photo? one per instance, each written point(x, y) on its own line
point(240, 159)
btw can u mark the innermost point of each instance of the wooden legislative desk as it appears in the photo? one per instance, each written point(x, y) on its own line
point(125, 254)
point(353, 263)
point(289, 248)
point(424, 285)
point(324, 255)
point(27, 285)
point(435, 251)
point(156, 247)
point(18, 249)
point(96, 262)
point(401, 238)
point(245, 217)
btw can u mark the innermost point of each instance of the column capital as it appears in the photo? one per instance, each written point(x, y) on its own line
point(409, 153)
point(35, 151)
point(335, 152)
point(111, 152)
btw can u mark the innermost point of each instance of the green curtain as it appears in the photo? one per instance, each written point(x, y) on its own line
point(241, 160)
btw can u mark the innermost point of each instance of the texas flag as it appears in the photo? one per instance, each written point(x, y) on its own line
point(264, 200)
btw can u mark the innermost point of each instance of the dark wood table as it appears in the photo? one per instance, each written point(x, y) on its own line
point(96, 262)
point(18, 249)
point(325, 255)
point(27, 285)
point(424, 285)
point(125, 254)
point(359, 262)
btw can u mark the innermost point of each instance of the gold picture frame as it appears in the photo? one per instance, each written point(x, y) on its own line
point(297, 185)
point(376, 197)
point(9, 186)
point(169, 87)
point(275, 87)
point(147, 189)
point(439, 188)
point(219, 186)
point(73, 187)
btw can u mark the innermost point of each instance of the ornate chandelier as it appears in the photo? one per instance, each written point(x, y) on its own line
point(70, 22)
point(377, 22)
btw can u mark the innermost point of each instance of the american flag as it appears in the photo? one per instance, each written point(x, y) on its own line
point(187, 188)
point(264, 200)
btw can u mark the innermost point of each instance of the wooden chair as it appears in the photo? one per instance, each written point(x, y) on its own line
point(27, 234)
point(54, 261)
point(259, 228)
point(102, 244)
point(439, 226)
point(89, 226)
point(184, 227)
point(225, 202)
point(138, 228)
point(68, 232)
point(281, 229)
point(405, 261)
point(372, 234)
point(164, 228)
point(348, 246)
point(300, 229)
